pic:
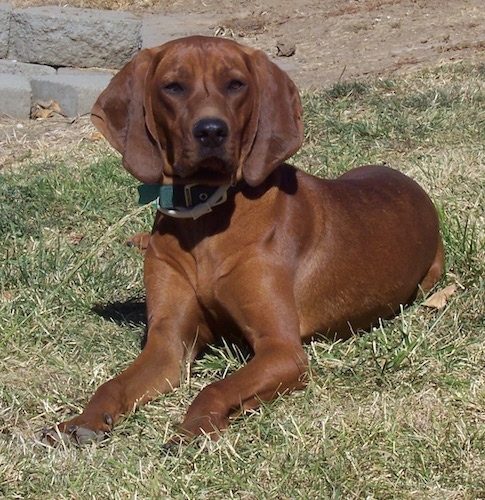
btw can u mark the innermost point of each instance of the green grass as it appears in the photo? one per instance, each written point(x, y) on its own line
point(396, 413)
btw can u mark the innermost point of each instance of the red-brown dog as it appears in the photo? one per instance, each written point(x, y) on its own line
point(242, 242)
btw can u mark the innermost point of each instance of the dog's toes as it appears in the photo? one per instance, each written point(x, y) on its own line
point(171, 446)
point(82, 436)
point(53, 436)
point(71, 433)
point(174, 444)
point(78, 436)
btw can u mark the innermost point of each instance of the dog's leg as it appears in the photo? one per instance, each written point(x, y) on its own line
point(172, 339)
point(156, 370)
point(434, 273)
point(276, 369)
point(270, 323)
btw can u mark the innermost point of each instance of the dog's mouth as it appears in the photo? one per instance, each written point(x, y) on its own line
point(210, 171)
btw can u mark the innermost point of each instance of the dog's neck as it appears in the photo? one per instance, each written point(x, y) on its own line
point(189, 201)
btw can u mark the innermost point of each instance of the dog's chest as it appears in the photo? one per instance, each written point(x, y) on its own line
point(208, 270)
point(218, 268)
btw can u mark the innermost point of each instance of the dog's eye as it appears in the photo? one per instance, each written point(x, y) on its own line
point(174, 88)
point(235, 86)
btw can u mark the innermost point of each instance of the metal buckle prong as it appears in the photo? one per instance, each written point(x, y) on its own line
point(188, 194)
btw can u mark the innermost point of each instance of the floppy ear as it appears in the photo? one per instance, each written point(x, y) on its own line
point(119, 114)
point(277, 118)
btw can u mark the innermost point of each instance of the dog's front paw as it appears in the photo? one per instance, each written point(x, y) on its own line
point(71, 433)
point(76, 435)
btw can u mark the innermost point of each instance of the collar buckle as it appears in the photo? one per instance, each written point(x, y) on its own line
point(188, 201)
point(194, 211)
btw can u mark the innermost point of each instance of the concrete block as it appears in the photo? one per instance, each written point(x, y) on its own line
point(25, 69)
point(75, 93)
point(15, 96)
point(5, 13)
point(158, 28)
point(74, 37)
point(83, 72)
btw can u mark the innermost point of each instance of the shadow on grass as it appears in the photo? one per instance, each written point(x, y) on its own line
point(133, 312)
point(129, 312)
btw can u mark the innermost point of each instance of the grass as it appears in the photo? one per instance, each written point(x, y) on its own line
point(396, 413)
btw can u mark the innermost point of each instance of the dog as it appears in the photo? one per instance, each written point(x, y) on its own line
point(244, 244)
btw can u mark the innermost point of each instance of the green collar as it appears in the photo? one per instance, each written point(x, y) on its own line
point(183, 201)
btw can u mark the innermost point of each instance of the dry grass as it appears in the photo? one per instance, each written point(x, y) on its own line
point(396, 413)
point(22, 140)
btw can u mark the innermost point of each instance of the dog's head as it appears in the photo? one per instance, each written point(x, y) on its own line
point(203, 110)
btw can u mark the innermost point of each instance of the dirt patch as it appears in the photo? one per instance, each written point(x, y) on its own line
point(318, 42)
point(349, 39)
point(336, 39)
point(328, 40)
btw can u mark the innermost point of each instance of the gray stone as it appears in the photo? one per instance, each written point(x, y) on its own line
point(81, 72)
point(5, 13)
point(25, 69)
point(15, 96)
point(74, 37)
point(75, 93)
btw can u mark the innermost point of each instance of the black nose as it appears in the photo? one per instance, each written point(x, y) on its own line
point(211, 132)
